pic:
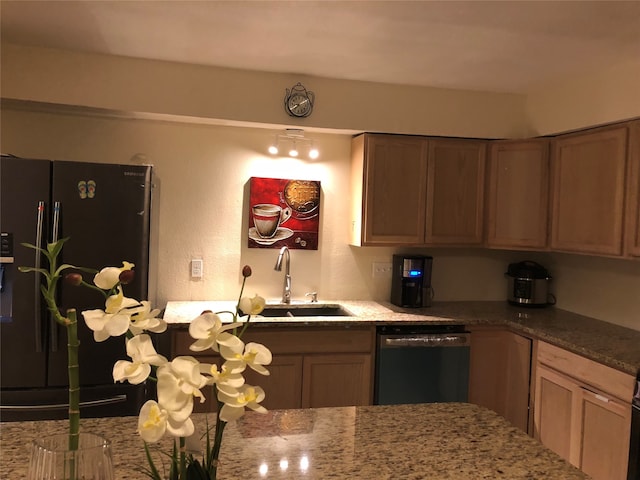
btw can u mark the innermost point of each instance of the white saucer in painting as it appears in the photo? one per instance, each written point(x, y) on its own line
point(281, 234)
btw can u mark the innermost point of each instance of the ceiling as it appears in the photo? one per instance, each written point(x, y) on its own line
point(501, 46)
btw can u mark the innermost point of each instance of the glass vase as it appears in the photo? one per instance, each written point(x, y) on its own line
point(51, 458)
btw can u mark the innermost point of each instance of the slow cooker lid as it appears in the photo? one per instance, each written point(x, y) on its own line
point(527, 269)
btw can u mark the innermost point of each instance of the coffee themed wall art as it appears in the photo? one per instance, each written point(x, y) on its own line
point(283, 212)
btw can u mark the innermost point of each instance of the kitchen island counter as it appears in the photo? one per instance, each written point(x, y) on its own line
point(603, 342)
point(435, 441)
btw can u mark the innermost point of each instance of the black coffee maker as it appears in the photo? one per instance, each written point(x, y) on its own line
point(411, 281)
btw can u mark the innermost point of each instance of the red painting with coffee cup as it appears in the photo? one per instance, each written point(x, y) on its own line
point(283, 212)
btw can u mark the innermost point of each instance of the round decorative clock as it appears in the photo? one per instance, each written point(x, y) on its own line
point(298, 102)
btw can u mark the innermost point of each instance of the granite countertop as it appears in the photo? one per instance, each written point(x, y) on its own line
point(604, 342)
point(435, 441)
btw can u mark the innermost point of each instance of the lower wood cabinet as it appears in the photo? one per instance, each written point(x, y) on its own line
point(336, 380)
point(499, 373)
point(582, 411)
point(311, 367)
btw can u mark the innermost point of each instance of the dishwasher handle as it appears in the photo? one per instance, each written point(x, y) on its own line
point(425, 340)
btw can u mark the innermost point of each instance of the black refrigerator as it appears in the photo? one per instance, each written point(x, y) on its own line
point(104, 209)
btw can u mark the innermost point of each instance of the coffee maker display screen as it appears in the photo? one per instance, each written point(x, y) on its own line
point(415, 273)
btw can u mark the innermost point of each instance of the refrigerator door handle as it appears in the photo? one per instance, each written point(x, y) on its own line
point(38, 264)
point(56, 222)
point(61, 406)
point(54, 238)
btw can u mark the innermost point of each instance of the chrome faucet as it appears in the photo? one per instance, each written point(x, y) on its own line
point(286, 289)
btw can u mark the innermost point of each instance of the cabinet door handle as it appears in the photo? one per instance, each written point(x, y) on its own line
point(597, 396)
point(602, 398)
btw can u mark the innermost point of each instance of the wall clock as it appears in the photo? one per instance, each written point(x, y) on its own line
point(298, 102)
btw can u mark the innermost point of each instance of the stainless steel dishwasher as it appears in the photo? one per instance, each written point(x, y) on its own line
point(421, 364)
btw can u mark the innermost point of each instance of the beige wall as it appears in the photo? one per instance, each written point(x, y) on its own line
point(586, 100)
point(202, 169)
point(221, 95)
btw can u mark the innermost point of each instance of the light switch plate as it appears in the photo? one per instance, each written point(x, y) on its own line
point(196, 267)
point(381, 270)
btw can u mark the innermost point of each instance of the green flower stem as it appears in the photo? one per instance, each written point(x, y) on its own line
point(74, 378)
point(183, 458)
point(217, 444)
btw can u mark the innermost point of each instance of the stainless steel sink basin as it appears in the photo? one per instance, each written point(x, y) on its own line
point(306, 310)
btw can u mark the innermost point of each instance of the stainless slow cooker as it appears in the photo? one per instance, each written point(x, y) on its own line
point(528, 284)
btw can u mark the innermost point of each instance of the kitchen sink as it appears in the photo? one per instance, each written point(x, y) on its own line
point(330, 310)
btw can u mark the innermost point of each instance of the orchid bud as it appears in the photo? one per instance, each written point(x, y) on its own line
point(126, 276)
point(74, 279)
point(246, 271)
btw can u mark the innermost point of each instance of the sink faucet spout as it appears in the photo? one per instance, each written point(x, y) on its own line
point(286, 289)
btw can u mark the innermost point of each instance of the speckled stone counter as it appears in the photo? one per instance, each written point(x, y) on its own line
point(604, 342)
point(434, 441)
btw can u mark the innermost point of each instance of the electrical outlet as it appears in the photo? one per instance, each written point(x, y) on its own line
point(196, 267)
point(381, 270)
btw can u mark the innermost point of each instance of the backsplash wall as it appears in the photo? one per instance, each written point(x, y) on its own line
point(200, 211)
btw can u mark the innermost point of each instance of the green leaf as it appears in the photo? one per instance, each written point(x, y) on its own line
point(33, 269)
point(195, 471)
point(30, 245)
point(152, 467)
point(55, 247)
point(63, 267)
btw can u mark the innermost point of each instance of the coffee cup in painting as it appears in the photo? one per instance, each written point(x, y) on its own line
point(268, 217)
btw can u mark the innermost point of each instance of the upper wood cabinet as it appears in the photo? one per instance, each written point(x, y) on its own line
point(632, 227)
point(518, 194)
point(588, 191)
point(455, 192)
point(389, 184)
point(417, 190)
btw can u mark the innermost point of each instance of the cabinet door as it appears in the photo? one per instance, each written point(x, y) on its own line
point(283, 385)
point(588, 185)
point(499, 374)
point(518, 194)
point(556, 414)
point(632, 235)
point(336, 380)
point(455, 192)
point(606, 426)
point(393, 193)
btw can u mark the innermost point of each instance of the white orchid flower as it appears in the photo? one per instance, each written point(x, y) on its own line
point(187, 377)
point(118, 303)
point(108, 277)
point(252, 306)
point(238, 355)
point(154, 421)
point(114, 320)
point(225, 377)
point(143, 318)
point(207, 330)
point(246, 396)
point(141, 350)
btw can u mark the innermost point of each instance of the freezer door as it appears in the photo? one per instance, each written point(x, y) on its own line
point(23, 184)
point(104, 211)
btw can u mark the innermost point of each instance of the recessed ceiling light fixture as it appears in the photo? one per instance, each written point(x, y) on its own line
point(297, 142)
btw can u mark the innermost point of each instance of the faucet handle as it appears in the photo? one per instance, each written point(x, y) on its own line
point(313, 295)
